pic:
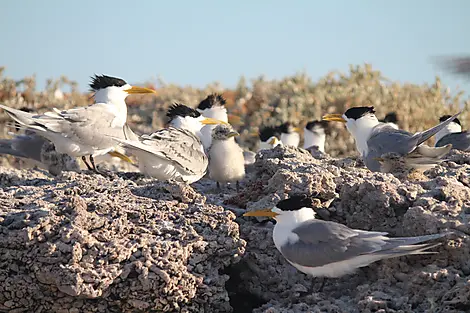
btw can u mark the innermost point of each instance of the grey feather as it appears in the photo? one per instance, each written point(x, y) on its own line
point(385, 139)
point(322, 242)
point(459, 141)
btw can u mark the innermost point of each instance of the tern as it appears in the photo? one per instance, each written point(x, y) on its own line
point(315, 134)
point(269, 138)
point(86, 130)
point(375, 139)
point(328, 249)
point(289, 134)
point(213, 106)
point(226, 158)
point(453, 134)
point(173, 153)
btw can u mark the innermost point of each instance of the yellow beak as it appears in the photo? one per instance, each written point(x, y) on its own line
point(233, 134)
point(135, 89)
point(213, 121)
point(297, 129)
point(334, 118)
point(121, 156)
point(272, 141)
point(265, 212)
point(379, 159)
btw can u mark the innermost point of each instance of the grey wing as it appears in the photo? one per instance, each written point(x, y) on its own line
point(425, 135)
point(24, 146)
point(179, 146)
point(322, 242)
point(459, 141)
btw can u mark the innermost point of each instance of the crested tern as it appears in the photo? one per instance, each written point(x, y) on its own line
point(289, 134)
point(453, 134)
point(315, 134)
point(86, 130)
point(213, 106)
point(176, 152)
point(374, 139)
point(328, 249)
point(269, 138)
point(226, 159)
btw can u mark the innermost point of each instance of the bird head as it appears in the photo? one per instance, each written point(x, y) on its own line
point(224, 132)
point(184, 117)
point(358, 119)
point(112, 89)
point(317, 127)
point(294, 209)
point(288, 128)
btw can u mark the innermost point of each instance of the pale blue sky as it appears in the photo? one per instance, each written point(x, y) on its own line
point(198, 42)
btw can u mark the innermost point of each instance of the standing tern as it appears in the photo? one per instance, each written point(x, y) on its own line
point(315, 134)
point(289, 134)
point(374, 139)
point(328, 249)
point(453, 134)
point(212, 107)
point(269, 138)
point(226, 159)
point(86, 130)
point(176, 152)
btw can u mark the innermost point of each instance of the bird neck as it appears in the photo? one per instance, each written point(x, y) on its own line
point(361, 130)
point(314, 139)
point(114, 97)
point(288, 221)
point(187, 123)
point(449, 129)
point(290, 139)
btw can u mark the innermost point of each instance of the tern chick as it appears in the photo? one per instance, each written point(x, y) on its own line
point(226, 161)
point(315, 134)
point(453, 134)
point(328, 249)
point(374, 139)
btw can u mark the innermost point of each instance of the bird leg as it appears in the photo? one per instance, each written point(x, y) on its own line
point(218, 186)
point(238, 186)
point(94, 166)
point(86, 163)
point(322, 284)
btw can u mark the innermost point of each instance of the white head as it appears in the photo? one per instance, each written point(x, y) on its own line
point(452, 127)
point(184, 117)
point(359, 121)
point(291, 211)
point(113, 90)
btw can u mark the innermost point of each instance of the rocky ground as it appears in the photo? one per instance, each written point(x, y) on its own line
point(124, 243)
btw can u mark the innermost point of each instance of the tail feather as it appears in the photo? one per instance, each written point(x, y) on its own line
point(425, 135)
point(434, 152)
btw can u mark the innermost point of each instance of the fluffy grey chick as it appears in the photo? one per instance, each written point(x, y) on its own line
point(226, 161)
point(39, 152)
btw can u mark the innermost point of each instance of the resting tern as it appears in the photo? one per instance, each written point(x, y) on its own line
point(86, 130)
point(226, 159)
point(269, 138)
point(375, 139)
point(315, 135)
point(392, 119)
point(328, 249)
point(289, 134)
point(176, 152)
point(213, 107)
point(453, 134)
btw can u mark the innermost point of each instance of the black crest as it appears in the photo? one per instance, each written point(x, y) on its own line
point(268, 132)
point(314, 124)
point(212, 101)
point(445, 117)
point(178, 109)
point(296, 202)
point(358, 112)
point(391, 117)
point(103, 81)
